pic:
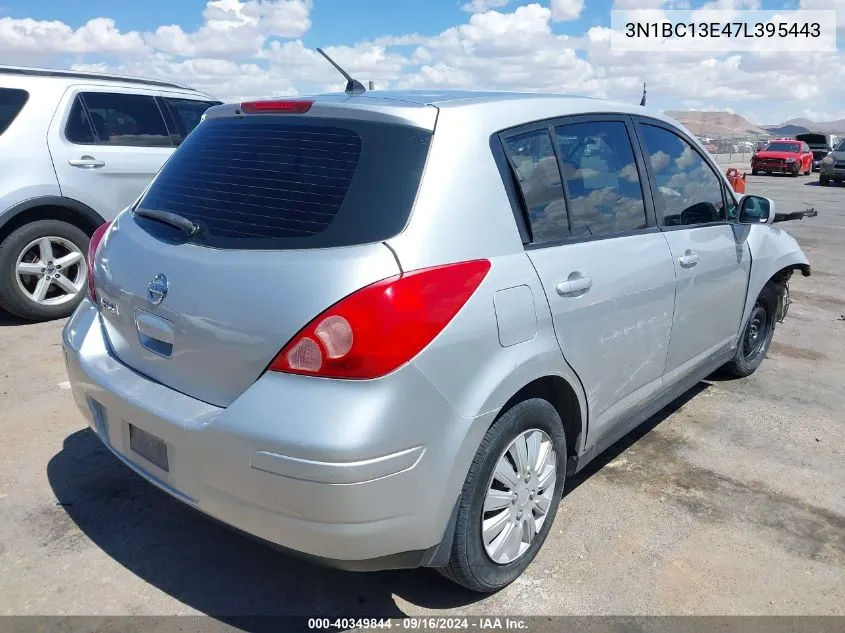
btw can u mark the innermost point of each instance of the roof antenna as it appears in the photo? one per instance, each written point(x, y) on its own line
point(353, 86)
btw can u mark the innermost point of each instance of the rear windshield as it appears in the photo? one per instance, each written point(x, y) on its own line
point(11, 103)
point(269, 181)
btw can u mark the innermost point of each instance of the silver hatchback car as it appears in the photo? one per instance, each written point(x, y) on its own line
point(382, 329)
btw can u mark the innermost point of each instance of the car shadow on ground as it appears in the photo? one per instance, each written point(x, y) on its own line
point(9, 320)
point(227, 575)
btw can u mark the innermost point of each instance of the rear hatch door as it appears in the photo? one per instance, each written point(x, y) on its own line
point(291, 211)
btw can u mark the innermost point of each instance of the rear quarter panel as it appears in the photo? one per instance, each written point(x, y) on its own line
point(24, 158)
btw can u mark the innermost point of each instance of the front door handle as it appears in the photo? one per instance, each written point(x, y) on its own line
point(86, 162)
point(688, 259)
point(574, 285)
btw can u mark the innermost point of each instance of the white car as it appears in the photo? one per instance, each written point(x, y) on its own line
point(75, 149)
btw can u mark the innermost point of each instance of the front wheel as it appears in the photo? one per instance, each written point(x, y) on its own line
point(510, 497)
point(824, 181)
point(43, 270)
point(757, 336)
point(754, 172)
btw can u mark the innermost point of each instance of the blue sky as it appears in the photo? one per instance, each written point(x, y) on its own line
point(248, 48)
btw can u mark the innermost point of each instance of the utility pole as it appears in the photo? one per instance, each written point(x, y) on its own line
point(642, 101)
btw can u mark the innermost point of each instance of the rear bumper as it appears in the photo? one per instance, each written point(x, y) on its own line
point(359, 475)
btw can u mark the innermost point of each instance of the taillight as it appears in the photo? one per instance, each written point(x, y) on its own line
point(93, 243)
point(289, 106)
point(382, 326)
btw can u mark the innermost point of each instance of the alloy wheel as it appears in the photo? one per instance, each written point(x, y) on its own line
point(51, 271)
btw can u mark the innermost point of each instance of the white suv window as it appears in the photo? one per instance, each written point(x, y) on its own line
point(131, 120)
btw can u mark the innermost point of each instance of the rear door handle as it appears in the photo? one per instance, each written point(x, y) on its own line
point(688, 259)
point(86, 162)
point(571, 286)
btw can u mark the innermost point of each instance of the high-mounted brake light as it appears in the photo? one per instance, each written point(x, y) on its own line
point(382, 326)
point(93, 244)
point(289, 106)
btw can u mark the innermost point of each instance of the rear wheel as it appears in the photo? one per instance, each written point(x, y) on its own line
point(510, 497)
point(43, 270)
point(757, 336)
point(824, 181)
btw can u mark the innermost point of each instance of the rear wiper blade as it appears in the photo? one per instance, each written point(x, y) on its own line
point(173, 219)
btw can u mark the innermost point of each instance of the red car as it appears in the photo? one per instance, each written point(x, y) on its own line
point(783, 157)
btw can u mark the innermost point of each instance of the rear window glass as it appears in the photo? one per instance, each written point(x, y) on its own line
point(11, 103)
point(276, 182)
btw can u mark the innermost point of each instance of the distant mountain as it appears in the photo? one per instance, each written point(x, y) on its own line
point(789, 129)
point(829, 127)
point(715, 123)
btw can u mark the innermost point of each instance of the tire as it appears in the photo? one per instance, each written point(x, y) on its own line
point(824, 181)
point(13, 298)
point(795, 173)
point(747, 359)
point(469, 564)
point(754, 172)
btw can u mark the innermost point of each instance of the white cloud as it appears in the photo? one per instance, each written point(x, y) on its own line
point(839, 5)
point(235, 28)
point(480, 6)
point(563, 10)
point(43, 37)
point(252, 48)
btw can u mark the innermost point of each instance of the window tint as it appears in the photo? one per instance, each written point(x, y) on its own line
point(281, 182)
point(534, 163)
point(602, 181)
point(687, 190)
point(11, 103)
point(78, 128)
point(126, 119)
point(187, 113)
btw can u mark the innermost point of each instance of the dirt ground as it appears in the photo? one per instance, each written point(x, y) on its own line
point(730, 502)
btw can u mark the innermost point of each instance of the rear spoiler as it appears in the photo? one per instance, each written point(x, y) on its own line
point(796, 215)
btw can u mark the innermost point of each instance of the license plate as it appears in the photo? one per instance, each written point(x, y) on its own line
point(149, 447)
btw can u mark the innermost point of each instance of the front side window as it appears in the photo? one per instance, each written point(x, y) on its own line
point(687, 190)
point(602, 180)
point(532, 158)
point(125, 119)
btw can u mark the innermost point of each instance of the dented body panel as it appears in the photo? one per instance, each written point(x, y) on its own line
point(773, 251)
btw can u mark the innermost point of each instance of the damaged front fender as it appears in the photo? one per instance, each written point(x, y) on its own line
point(775, 255)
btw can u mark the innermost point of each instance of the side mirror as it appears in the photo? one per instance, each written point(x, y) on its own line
point(756, 210)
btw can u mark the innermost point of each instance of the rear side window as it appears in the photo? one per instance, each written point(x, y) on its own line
point(129, 120)
point(278, 182)
point(12, 102)
point(533, 161)
point(186, 113)
point(602, 180)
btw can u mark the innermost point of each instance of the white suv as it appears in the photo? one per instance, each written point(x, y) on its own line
point(75, 149)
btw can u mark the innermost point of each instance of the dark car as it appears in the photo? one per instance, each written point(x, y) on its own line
point(832, 167)
point(820, 144)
